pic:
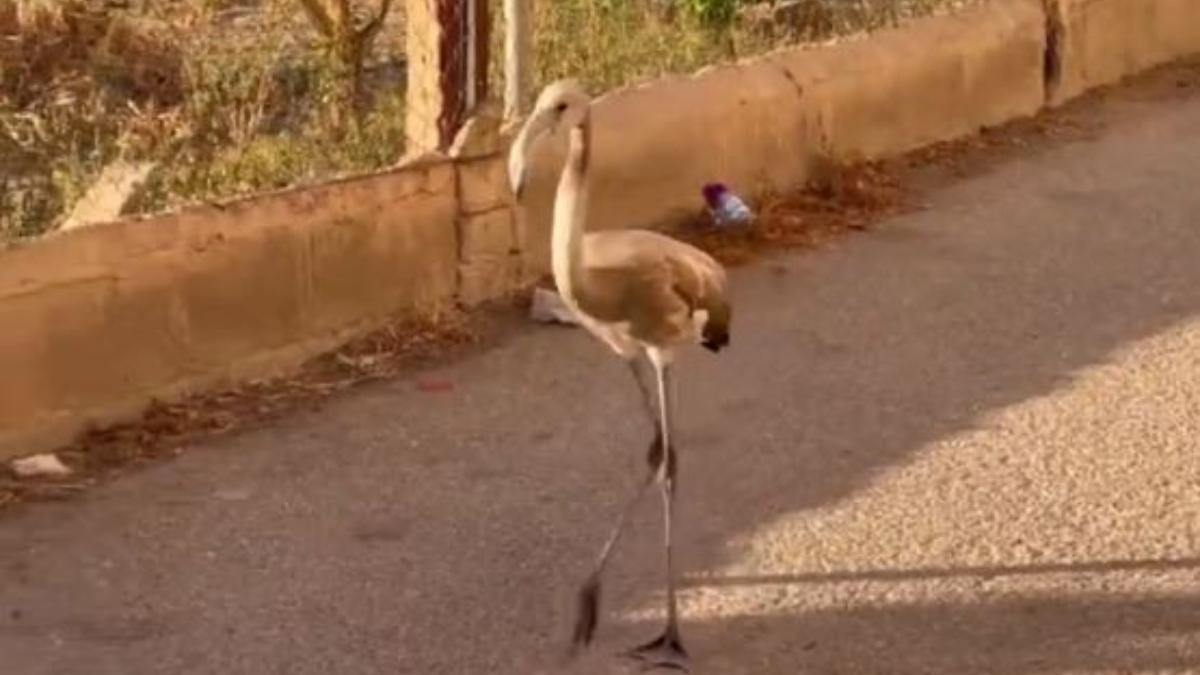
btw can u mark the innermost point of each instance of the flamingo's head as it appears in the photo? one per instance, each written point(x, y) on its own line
point(561, 105)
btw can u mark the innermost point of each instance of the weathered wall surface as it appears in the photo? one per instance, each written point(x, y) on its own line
point(937, 79)
point(95, 322)
point(1101, 41)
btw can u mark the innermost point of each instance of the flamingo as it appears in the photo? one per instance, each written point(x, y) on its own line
point(646, 296)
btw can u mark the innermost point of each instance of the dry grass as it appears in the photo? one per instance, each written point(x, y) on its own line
point(607, 43)
point(227, 100)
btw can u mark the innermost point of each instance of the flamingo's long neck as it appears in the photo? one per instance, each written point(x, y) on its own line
point(570, 214)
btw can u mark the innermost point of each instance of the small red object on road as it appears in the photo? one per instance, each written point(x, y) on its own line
point(435, 385)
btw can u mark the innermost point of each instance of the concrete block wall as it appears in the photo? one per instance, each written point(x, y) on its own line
point(1098, 42)
point(97, 321)
point(489, 250)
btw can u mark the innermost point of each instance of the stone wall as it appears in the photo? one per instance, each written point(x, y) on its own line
point(1098, 42)
point(97, 321)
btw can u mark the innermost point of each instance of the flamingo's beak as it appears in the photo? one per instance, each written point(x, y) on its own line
point(518, 185)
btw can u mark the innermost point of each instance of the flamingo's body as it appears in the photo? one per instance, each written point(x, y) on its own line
point(640, 292)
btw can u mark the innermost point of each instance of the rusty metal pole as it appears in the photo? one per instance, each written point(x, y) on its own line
point(464, 50)
point(448, 68)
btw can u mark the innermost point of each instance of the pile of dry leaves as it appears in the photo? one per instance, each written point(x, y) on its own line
point(846, 198)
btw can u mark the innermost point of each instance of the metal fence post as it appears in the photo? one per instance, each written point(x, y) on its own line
point(518, 64)
point(447, 68)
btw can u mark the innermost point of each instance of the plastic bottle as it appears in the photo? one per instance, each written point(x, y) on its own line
point(726, 208)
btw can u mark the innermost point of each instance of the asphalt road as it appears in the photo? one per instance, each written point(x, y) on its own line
point(966, 442)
